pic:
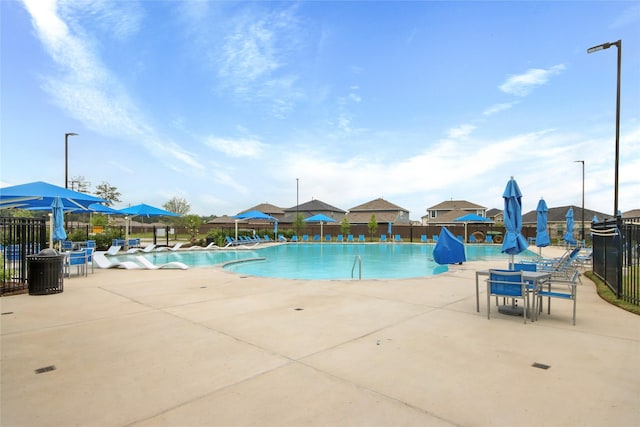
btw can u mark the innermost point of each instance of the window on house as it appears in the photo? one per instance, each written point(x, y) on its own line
point(432, 214)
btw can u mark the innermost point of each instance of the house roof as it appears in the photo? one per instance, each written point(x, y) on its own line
point(313, 207)
point(446, 217)
point(377, 205)
point(493, 212)
point(559, 214)
point(450, 205)
point(633, 213)
point(381, 217)
point(266, 208)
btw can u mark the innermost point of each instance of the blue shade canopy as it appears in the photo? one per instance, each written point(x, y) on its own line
point(319, 218)
point(146, 210)
point(568, 236)
point(41, 194)
point(542, 235)
point(514, 242)
point(471, 217)
point(57, 211)
point(254, 215)
point(448, 250)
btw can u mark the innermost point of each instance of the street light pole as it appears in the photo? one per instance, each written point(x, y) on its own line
point(618, 44)
point(582, 229)
point(66, 157)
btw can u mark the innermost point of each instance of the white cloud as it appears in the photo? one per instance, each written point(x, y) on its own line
point(253, 61)
point(523, 84)
point(462, 131)
point(237, 147)
point(497, 108)
point(86, 89)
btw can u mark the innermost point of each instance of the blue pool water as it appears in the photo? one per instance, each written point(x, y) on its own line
point(330, 261)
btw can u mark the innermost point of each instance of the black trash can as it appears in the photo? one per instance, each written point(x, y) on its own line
point(45, 272)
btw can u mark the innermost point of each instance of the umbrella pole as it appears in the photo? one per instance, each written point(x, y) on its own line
point(51, 230)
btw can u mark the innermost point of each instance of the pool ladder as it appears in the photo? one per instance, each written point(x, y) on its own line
point(358, 261)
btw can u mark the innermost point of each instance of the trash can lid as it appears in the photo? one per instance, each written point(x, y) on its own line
point(48, 251)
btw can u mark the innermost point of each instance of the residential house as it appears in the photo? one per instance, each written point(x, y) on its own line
point(314, 207)
point(385, 212)
point(444, 213)
point(557, 220)
point(496, 215)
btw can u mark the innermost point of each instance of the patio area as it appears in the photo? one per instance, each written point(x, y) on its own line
point(205, 347)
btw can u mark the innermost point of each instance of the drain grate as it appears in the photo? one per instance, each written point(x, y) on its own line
point(45, 369)
point(540, 366)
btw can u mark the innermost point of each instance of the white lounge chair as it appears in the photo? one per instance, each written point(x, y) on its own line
point(147, 249)
point(209, 246)
point(151, 266)
point(101, 261)
point(113, 250)
point(173, 248)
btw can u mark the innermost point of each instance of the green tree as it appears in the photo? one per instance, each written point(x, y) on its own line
point(99, 219)
point(193, 223)
point(80, 184)
point(345, 226)
point(108, 192)
point(372, 226)
point(177, 205)
point(298, 223)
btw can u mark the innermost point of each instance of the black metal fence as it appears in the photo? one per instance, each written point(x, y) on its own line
point(616, 260)
point(19, 237)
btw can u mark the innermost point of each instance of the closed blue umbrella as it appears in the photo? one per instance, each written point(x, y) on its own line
point(448, 250)
point(514, 242)
point(568, 236)
point(57, 211)
point(542, 235)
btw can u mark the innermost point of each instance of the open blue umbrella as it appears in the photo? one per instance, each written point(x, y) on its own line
point(253, 214)
point(57, 217)
point(542, 235)
point(146, 210)
point(568, 236)
point(514, 242)
point(471, 218)
point(41, 195)
point(321, 219)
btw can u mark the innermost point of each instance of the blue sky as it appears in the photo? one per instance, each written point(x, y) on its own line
point(226, 104)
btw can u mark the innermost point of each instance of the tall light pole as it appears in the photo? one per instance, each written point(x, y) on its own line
point(297, 203)
point(66, 157)
point(582, 229)
point(618, 44)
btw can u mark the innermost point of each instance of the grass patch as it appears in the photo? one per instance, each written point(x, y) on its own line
point(608, 295)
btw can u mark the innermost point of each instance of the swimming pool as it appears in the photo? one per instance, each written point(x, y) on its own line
point(329, 261)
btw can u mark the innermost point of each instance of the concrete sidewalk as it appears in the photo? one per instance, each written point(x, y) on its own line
point(205, 347)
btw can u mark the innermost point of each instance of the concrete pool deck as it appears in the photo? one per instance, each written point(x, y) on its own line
point(205, 347)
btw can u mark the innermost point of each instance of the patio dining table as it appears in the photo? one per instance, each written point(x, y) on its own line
point(537, 277)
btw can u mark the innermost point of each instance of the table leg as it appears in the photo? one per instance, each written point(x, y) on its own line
point(477, 295)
